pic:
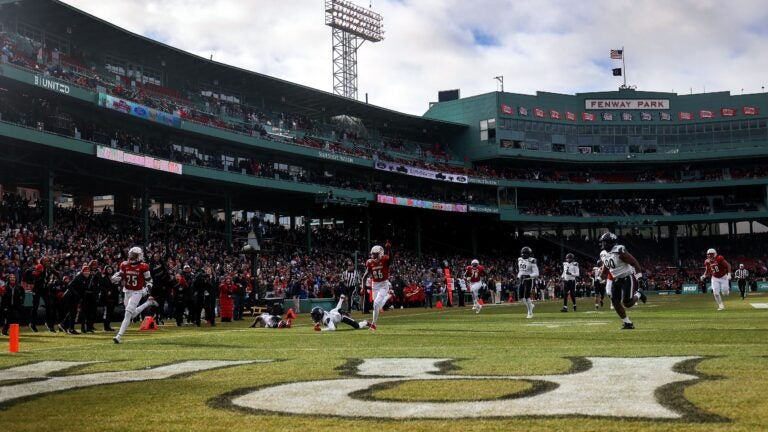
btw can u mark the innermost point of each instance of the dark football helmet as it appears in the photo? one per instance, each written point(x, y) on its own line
point(526, 252)
point(317, 314)
point(608, 241)
point(569, 257)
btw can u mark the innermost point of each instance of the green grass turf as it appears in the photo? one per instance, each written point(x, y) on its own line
point(499, 341)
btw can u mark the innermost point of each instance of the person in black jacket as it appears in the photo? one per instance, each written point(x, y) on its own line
point(90, 297)
point(72, 297)
point(43, 275)
point(206, 290)
point(13, 302)
point(161, 284)
point(109, 294)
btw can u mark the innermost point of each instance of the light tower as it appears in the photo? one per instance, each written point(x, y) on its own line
point(351, 26)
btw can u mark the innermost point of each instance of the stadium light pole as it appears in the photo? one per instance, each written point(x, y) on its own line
point(500, 79)
point(351, 26)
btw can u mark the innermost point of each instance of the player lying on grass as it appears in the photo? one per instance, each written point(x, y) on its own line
point(267, 320)
point(333, 317)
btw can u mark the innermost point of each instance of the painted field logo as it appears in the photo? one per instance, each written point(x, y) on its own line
point(37, 381)
point(647, 388)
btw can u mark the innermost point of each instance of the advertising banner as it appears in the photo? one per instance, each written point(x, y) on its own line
point(137, 110)
point(420, 172)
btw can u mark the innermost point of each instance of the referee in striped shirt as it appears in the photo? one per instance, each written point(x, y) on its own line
point(741, 275)
point(349, 282)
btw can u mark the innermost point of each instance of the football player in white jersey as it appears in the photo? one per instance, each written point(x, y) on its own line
point(570, 273)
point(527, 271)
point(268, 320)
point(333, 317)
point(624, 270)
point(598, 284)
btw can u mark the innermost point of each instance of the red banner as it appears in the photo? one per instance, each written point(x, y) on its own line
point(538, 112)
point(554, 114)
point(685, 116)
point(727, 112)
point(706, 114)
point(587, 116)
point(749, 110)
point(570, 116)
point(506, 109)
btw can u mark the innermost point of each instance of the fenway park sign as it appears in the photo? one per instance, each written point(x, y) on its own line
point(626, 104)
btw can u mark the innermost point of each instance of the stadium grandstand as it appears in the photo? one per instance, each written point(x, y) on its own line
point(110, 139)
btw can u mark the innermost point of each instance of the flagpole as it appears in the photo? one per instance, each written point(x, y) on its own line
point(623, 67)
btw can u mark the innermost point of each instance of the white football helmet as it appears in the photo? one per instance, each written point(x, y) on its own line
point(377, 252)
point(135, 254)
point(711, 253)
point(475, 263)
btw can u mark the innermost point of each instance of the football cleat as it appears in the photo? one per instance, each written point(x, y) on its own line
point(574, 308)
point(721, 307)
point(33, 327)
point(564, 309)
point(116, 340)
point(530, 315)
point(628, 326)
point(643, 297)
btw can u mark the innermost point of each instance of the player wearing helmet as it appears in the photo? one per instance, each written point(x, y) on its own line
point(474, 275)
point(267, 320)
point(718, 268)
point(598, 283)
point(137, 282)
point(527, 272)
point(624, 271)
point(570, 273)
point(377, 267)
point(334, 316)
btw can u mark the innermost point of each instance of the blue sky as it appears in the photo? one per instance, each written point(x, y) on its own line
point(433, 45)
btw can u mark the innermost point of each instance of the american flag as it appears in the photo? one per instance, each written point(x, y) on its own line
point(617, 54)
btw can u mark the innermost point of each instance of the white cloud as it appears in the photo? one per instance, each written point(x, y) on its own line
point(542, 45)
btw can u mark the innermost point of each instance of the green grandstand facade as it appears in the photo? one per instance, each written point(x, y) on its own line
point(491, 161)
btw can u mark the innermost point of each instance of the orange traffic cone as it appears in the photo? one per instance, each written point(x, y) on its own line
point(13, 340)
point(148, 324)
point(439, 304)
point(290, 315)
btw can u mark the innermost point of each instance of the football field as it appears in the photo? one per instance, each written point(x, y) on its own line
point(686, 367)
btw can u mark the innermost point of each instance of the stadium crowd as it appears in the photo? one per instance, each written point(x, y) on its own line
point(197, 279)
